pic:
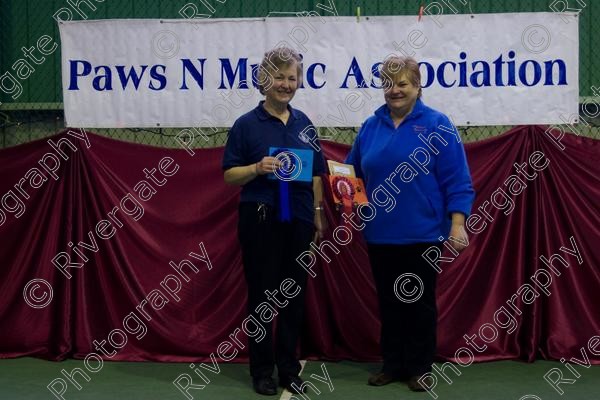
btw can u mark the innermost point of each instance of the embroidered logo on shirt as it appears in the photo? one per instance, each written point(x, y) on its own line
point(419, 129)
point(304, 137)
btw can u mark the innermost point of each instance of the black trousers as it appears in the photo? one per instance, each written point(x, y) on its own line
point(408, 327)
point(269, 251)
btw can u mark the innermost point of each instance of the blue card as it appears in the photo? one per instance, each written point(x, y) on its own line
point(297, 164)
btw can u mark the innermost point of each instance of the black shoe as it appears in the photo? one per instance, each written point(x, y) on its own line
point(293, 384)
point(415, 384)
point(381, 379)
point(264, 386)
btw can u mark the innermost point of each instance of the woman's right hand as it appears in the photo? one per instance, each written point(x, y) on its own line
point(267, 165)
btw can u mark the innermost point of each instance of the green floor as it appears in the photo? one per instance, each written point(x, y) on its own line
point(27, 378)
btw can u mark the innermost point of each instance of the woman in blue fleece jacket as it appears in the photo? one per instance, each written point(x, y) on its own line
point(417, 178)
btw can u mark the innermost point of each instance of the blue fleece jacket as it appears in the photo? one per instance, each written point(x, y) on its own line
point(416, 176)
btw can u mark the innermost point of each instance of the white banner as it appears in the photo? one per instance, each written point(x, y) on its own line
point(483, 69)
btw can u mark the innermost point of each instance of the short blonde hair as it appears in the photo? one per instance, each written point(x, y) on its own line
point(272, 62)
point(397, 65)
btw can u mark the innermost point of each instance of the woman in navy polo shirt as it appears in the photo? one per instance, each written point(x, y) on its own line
point(414, 167)
point(277, 217)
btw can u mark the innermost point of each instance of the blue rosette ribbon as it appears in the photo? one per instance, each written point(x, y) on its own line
point(284, 176)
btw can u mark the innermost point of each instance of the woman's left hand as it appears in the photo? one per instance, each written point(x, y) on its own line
point(320, 225)
point(458, 232)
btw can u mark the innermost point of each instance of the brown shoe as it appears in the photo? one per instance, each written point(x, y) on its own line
point(381, 379)
point(416, 386)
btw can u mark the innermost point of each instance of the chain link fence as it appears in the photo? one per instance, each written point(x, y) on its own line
point(35, 110)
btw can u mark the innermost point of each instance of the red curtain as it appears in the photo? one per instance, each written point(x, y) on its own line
point(188, 209)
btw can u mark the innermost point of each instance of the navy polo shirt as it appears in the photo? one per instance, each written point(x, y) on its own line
point(248, 142)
